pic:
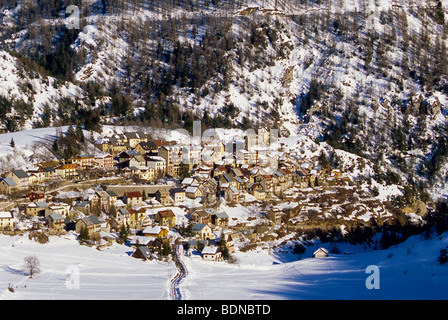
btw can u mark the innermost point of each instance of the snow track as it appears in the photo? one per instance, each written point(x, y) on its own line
point(180, 275)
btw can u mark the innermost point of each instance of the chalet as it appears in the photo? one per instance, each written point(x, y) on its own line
point(137, 161)
point(127, 155)
point(231, 195)
point(55, 221)
point(138, 216)
point(37, 174)
point(229, 242)
point(122, 216)
point(156, 231)
point(220, 219)
point(8, 186)
point(188, 181)
point(115, 147)
point(91, 224)
point(193, 192)
point(160, 143)
point(6, 221)
point(275, 215)
point(203, 231)
point(221, 170)
point(20, 177)
point(202, 172)
point(105, 161)
point(133, 138)
point(66, 171)
point(144, 147)
point(38, 209)
point(163, 197)
point(197, 244)
point(320, 253)
point(246, 175)
point(32, 179)
point(265, 182)
point(217, 148)
point(304, 179)
point(84, 161)
point(112, 199)
point(58, 208)
point(138, 241)
point(173, 158)
point(157, 163)
point(259, 194)
point(82, 206)
point(225, 181)
point(100, 201)
point(211, 253)
point(133, 198)
point(250, 234)
point(135, 171)
point(49, 173)
point(177, 194)
point(142, 252)
point(165, 218)
point(36, 195)
point(201, 217)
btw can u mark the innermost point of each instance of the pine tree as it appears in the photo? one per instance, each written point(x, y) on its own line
point(12, 143)
point(124, 232)
point(83, 235)
point(79, 133)
point(55, 146)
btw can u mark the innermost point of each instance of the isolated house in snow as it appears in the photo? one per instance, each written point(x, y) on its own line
point(320, 253)
point(211, 253)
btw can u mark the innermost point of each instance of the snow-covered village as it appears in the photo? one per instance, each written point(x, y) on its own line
point(223, 150)
point(234, 216)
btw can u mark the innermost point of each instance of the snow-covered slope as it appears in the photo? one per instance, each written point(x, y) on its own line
point(71, 271)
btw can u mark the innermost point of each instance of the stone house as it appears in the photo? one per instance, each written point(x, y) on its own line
point(211, 253)
point(20, 177)
point(55, 222)
point(91, 224)
point(133, 198)
point(165, 218)
point(203, 231)
point(6, 221)
point(8, 186)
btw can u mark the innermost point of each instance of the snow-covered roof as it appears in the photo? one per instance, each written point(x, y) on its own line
point(5, 215)
point(210, 250)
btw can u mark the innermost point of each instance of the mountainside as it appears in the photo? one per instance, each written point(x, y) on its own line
point(365, 76)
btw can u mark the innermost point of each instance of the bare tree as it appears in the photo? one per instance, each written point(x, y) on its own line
point(32, 265)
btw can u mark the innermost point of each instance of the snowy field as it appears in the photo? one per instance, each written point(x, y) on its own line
point(406, 271)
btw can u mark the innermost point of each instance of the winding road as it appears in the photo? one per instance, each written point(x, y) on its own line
point(181, 273)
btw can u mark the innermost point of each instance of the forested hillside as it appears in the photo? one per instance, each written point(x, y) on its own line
point(365, 76)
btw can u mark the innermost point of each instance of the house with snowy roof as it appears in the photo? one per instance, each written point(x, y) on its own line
point(8, 186)
point(55, 222)
point(320, 253)
point(6, 221)
point(211, 253)
point(91, 223)
point(202, 230)
point(20, 177)
point(156, 231)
